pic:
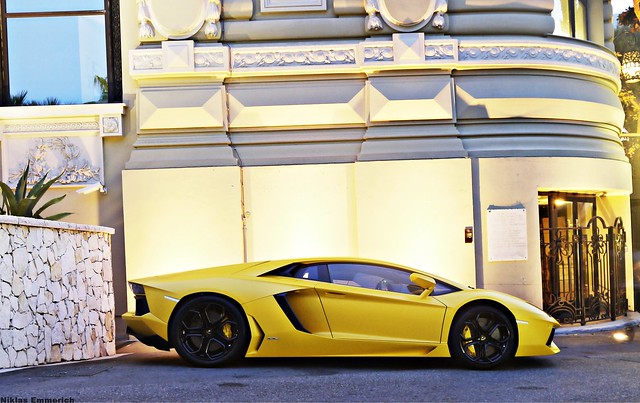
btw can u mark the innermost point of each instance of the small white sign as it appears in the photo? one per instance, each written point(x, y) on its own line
point(507, 234)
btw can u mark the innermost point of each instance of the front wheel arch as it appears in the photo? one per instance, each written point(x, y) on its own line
point(483, 303)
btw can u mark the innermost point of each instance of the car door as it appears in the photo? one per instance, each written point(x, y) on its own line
point(371, 302)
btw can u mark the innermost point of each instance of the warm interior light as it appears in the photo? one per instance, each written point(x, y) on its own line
point(631, 66)
point(620, 336)
point(560, 202)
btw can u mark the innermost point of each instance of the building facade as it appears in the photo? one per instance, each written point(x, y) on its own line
point(445, 135)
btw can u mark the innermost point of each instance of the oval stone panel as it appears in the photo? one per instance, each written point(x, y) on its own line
point(177, 19)
point(406, 13)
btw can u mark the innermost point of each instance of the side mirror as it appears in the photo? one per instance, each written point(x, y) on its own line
point(423, 281)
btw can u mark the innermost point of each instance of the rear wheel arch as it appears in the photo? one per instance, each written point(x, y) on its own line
point(209, 299)
point(191, 297)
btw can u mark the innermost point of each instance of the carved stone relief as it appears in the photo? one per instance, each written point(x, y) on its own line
point(179, 19)
point(58, 139)
point(54, 155)
point(405, 15)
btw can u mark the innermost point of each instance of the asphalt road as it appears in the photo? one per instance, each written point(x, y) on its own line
point(591, 367)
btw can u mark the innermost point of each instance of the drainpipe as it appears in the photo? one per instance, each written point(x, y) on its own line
point(245, 214)
point(477, 221)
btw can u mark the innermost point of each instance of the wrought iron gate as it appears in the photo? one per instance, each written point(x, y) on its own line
point(583, 271)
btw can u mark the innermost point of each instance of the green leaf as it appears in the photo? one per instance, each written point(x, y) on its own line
point(21, 187)
point(25, 207)
point(43, 189)
point(9, 197)
point(18, 205)
point(57, 217)
point(38, 186)
point(49, 204)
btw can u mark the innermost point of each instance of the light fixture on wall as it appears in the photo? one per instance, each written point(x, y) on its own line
point(631, 66)
point(92, 188)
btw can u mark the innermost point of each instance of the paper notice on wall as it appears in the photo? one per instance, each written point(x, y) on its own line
point(507, 234)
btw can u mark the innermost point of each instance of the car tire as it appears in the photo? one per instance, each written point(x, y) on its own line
point(209, 331)
point(482, 337)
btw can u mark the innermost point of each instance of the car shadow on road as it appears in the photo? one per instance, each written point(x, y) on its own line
point(148, 356)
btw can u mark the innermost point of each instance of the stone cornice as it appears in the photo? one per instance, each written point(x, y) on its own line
point(413, 51)
point(34, 222)
point(90, 119)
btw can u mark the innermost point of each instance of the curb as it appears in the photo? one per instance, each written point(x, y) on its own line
point(632, 319)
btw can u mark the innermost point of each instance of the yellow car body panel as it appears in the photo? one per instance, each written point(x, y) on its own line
point(296, 317)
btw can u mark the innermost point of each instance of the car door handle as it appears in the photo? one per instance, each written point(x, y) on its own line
point(334, 294)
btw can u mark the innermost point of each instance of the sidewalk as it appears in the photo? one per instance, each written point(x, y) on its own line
point(631, 320)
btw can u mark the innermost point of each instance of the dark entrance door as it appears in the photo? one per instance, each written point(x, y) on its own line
point(582, 259)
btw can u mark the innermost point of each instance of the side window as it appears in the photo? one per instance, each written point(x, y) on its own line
point(308, 272)
point(372, 277)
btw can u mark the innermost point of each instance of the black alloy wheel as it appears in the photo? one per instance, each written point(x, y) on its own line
point(482, 337)
point(209, 331)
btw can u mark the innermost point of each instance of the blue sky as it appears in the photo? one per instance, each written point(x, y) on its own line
point(620, 5)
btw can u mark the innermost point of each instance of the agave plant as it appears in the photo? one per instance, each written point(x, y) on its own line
point(22, 203)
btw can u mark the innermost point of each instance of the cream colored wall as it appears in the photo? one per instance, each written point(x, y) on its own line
point(515, 181)
point(181, 219)
point(415, 213)
point(83, 208)
point(382, 210)
point(300, 211)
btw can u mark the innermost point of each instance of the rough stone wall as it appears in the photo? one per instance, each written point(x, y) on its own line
point(56, 292)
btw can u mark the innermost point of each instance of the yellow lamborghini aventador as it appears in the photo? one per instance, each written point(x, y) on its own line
point(332, 307)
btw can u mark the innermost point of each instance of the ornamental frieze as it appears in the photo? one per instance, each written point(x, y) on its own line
point(538, 53)
point(404, 50)
point(146, 62)
point(443, 51)
point(50, 127)
point(294, 58)
point(378, 54)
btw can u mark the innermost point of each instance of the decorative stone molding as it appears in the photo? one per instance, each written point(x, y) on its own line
point(336, 55)
point(550, 54)
point(377, 53)
point(146, 30)
point(58, 138)
point(180, 57)
point(57, 301)
point(217, 61)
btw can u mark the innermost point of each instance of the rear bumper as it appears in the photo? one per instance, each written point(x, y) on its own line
point(144, 328)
